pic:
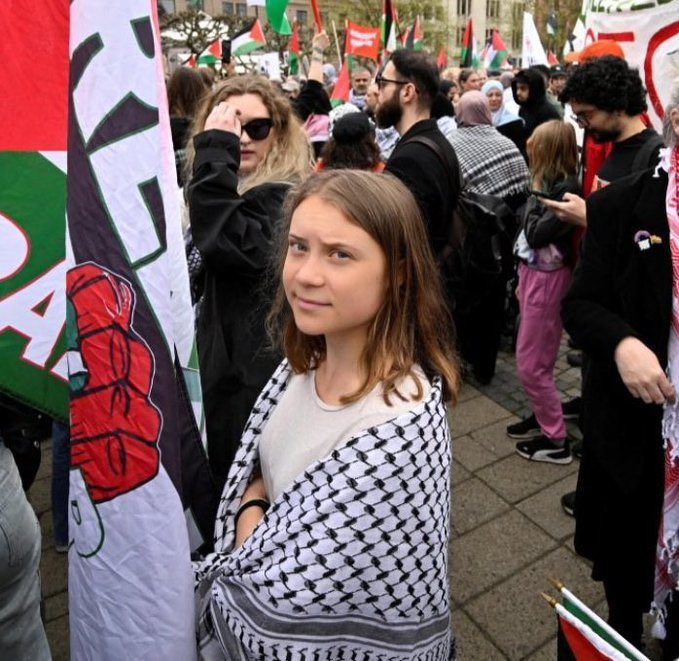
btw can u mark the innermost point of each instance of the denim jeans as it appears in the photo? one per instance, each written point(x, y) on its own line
point(61, 462)
point(22, 635)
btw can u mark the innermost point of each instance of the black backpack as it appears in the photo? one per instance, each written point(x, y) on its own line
point(478, 252)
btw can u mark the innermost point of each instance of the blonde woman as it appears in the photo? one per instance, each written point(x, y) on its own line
point(247, 150)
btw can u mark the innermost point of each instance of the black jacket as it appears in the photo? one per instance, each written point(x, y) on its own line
point(619, 290)
point(434, 183)
point(234, 234)
point(537, 109)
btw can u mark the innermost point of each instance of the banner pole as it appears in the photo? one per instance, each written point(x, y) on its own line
point(339, 52)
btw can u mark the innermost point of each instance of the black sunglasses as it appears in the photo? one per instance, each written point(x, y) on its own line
point(381, 81)
point(258, 129)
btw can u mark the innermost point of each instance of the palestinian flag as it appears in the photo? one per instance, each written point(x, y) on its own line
point(33, 205)
point(496, 52)
point(469, 56)
point(212, 54)
point(294, 51)
point(415, 36)
point(342, 89)
point(190, 61)
point(275, 11)
point(389, 26)
point(248, 39)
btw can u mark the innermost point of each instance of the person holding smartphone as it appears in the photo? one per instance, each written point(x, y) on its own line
point(544, 249)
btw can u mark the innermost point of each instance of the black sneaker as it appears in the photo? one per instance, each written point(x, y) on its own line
point(542, 449)
point(571, 408)
point(527, 428)
point(568, 503)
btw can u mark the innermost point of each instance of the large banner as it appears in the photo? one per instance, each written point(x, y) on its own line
point(33, 117)
point(649, 35)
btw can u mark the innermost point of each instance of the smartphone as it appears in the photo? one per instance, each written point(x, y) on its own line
point(547, 196)
point(226, 51)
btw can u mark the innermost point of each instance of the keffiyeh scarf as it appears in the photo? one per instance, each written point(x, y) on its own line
point(667, 559)
point(350, 562)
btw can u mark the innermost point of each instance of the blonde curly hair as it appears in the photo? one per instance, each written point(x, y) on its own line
point(290, 157)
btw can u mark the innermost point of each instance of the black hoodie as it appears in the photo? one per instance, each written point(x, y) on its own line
point(537, 109)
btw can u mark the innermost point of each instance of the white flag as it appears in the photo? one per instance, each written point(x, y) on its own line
point(256, 3)
point(532, 51)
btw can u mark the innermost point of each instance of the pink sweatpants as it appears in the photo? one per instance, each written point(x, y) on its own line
point(537, 345)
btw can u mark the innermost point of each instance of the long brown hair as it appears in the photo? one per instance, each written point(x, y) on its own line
point(552, 153)
point(290, 156)
point(413, 326)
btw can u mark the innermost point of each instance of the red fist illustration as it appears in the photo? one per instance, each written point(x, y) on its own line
point(114, 425)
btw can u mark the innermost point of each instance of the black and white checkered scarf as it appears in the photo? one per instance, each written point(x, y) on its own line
point(489, 163)
point(350, 562)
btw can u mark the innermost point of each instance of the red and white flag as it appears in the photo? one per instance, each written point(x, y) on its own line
point(363, 41)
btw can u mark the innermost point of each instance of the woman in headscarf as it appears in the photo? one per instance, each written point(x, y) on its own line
point(506, 122)
point(490, 164)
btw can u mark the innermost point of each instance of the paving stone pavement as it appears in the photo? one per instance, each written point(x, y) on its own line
point(509, 535)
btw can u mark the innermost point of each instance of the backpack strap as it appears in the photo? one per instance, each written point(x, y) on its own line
point(440, 154)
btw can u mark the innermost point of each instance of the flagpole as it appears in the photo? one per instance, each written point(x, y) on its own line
point(339, 52)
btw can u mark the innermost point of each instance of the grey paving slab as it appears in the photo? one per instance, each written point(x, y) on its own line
point(475, 503)
point(544, 508)
point(472, 645)
point(516, 478)
point(475, 413)
point(56, 606)
point(57, 634)
point(53, 572)
point(40, 495)
point(460, 473)
point(467, 391)
point(492, 552)
point(545, 653)
point(514, 615)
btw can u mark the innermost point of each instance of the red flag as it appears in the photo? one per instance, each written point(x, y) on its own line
point(343, 84)
point(362, 41)
point(552, 58)
point(317, 15)
point(215, 48)
point(442, 59)
point(467, 56)
point(191, 62)
point(293, 47)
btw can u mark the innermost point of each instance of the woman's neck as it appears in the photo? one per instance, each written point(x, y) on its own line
point(341, 372)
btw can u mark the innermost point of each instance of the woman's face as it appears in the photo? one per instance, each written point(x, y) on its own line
point(472, 83)
point(494, 99)
point(252, 152)
point(334, 274)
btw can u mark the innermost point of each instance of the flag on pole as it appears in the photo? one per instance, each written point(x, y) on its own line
point(342, 89)
point(190, 61)
point(212, 54)
point(318, 20)
point(362, 41)
point(584, 643)
point(294, 51)
point(552, 24)
point(32, 205)
point(248, 39)
point(442, 59)
point(496, 52)
point(275, 11)
point(137, 461)
point(552, 59)
point(389, 26)
point(469, 56)
point(415, 37)
point(532, 51)
point(588, 625)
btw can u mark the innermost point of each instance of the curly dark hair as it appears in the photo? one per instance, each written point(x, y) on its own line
point(607, 83)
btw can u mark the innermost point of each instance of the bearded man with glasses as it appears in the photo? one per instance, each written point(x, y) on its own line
point(423, 159)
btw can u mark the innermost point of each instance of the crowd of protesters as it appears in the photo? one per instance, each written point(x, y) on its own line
point(326, 246)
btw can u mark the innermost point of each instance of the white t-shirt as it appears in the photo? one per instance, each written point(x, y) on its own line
point(303, 429)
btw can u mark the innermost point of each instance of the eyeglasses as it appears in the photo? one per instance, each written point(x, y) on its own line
point(258, 129)
point(381, 81)
point(582, 119)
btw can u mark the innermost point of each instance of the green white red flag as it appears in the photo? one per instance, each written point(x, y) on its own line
point(469, 56)
point(496, 52)
point(294, 51)
point(342, 89)
point(389, 26)
point(278, 19)
point(414, 37)
point(212, 54)
point(248, 39)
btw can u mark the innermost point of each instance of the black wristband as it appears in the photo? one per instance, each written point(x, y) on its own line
point(255, 502)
